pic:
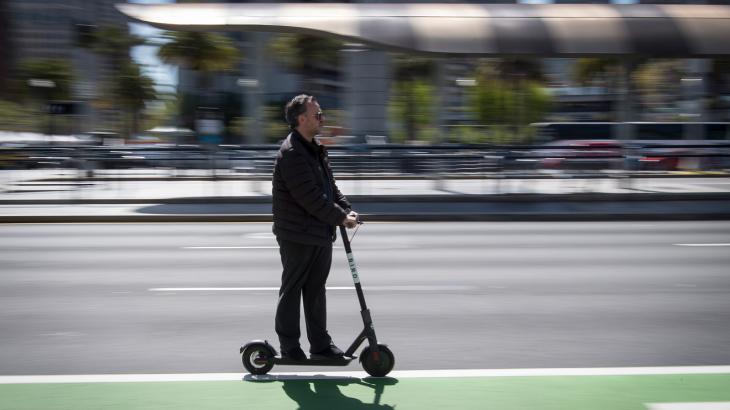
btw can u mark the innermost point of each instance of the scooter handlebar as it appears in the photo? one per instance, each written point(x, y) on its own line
point(357, 220)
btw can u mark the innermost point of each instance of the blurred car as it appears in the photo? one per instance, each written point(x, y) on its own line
point(683, 156)
point(660, 159)
point(102, 138)
point(580, 155)
point(101, 158)
point(46, 157)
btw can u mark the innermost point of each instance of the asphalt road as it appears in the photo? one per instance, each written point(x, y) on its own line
point(96, 298)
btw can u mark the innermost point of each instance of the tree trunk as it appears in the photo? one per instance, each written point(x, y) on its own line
point(410, 112)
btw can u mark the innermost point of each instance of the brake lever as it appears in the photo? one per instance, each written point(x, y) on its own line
point(359, 222)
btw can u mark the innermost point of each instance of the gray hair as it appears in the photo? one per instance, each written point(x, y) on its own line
point(296, 107)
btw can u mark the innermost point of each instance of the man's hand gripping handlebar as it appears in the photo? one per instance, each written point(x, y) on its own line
point(351, 220)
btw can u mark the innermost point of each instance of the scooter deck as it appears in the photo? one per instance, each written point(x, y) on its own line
point(340, 361)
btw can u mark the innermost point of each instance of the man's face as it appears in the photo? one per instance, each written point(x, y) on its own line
point(311, 121)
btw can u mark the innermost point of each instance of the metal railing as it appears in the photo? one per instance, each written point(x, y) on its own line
point(386, 160)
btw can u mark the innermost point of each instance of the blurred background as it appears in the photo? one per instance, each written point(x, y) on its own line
point(79, 74)
point(104, 120)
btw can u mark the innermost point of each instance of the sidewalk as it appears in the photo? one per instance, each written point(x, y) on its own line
point(158, 196)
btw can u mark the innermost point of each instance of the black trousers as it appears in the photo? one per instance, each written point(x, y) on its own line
point(305, 271)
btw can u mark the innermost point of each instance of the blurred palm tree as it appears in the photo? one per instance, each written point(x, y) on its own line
point(36, 83)
point(114, 43)
point(133, 90)
point(306, 54)
point(611, 73)
point(659, 84)
point(508, 96)
point(596, 70)
point(517, 69)
point(59, 72)
point(656, 82)
point(128, 88)
point(203, 53)
point(412, 107)
point(412, 99)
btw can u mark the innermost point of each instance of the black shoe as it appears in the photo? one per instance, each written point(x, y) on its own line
point(331, 352)
point(294, 354)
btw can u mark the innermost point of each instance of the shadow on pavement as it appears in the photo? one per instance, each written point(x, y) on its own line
point(324, 392)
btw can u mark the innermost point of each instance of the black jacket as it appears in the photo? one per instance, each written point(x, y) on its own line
point(302, 210)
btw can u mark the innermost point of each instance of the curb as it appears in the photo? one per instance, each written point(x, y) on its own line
point(421, 217)
point(445, 198)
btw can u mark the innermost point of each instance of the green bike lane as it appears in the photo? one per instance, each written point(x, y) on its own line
point(694, 389)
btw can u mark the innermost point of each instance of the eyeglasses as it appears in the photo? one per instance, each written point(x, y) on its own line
point(319, 116)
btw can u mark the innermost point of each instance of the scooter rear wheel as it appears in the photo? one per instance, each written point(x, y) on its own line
point(257, 358)
point(377, 364)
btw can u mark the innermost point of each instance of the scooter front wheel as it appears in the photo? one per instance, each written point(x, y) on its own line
point(377, 364)
point(258, 358)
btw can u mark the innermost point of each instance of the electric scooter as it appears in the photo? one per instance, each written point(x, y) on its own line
point(259, 357)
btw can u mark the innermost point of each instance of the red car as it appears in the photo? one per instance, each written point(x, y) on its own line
point(581, 155)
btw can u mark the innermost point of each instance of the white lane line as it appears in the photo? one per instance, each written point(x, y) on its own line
point(701, 244)
point(408, 288)
point(690, 406)
point(600, 371)
point(230, 247)
point(260, 288)
point(260, 235)
point(579, 371)
point(239, 247)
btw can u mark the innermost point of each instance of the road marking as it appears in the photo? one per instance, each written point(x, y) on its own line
point(580, 371)
point(260, 235)
point(690, 406)
point(239, 247)
point(600, 371)
point(62, 334)
point(230, 247)
point(702, 244)
point(251, 289)
point(407, 288)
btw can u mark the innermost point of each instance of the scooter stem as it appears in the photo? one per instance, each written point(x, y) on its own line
point(353, 268)
point(368, 332)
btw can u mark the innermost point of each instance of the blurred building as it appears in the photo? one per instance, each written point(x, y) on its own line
point(5, 46)
point(52, 29)
point(571, 101)
point(48, 29)
point(361, 83)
